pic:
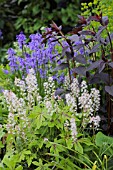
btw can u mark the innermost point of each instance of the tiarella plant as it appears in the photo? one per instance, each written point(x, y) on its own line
point(46, 131)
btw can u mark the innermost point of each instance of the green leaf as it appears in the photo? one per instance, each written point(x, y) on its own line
point(35, 163)
point(19, 168)
point(69, 143)
point(102, 139)
point(1, 145)
point(38, 163)
point(78, 147)
point(86, 141)
point(22, 157)
point(29, 160)
point(1, 133)
point(7, 162)
point(27, 152)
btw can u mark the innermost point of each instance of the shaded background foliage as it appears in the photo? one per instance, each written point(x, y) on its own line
point(29, 16)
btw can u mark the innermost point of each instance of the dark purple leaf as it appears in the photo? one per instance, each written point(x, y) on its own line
point(105, 127)
point(55, 27)
point(62, 60)
point(77, 47)
point(61, 66)
point(109, 89)
point(87, 74)
point(88, 40)
point(45, 39)
point(94, 65)
point(76, 30)
point(87, 32)
point(69, 55)
point(64, 51)
point(103, 109)
point(105, 20)
point(94, 79)
point(110, 64)
point(105, 78)
point(111, 37)
point(101, 66)
point(94, 18)
point(82, 20)
point(74, 38)
point(101, 28)
point(95, 48)
point(101, 40)
point(81, 17)
point(81, 59)
point(81, 70)
point(58, 92)
point(56, 39)
point(63, 96)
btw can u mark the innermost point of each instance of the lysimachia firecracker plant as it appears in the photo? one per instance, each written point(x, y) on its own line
point(95, 60)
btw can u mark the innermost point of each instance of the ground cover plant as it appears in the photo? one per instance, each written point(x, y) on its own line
point(56, 99)
point(98, 6)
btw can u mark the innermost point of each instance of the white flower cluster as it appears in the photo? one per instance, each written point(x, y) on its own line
point(67, 82)
point(48, 105)
point(85, 102)
point(80, 98)
point(95, 96)
point(17, 118)
point(84, 87)
point(66, 125)
point(71, 98)
point(10, 123)
point(28, 88)
point(89, 102)
point(17, 113)
point(32, 88)
point(49, 88)
point(31, 82)
point(73, 129)
point(75, 89)
point(14, 104)
point(17, 124)
point(21, 84)
point(71, 101)
point(49, 99)
point(94, 121)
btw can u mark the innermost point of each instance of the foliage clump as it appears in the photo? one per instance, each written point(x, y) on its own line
point(97, 6)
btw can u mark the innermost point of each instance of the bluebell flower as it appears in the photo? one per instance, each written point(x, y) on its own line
point(42, 73)
point(1, 89)
point(6, 71)
point(36, 41)
point(55, 77)
point(1, 36)
point(21, 63)
point(21, 38)
point(61, 78)
point(13, 62)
